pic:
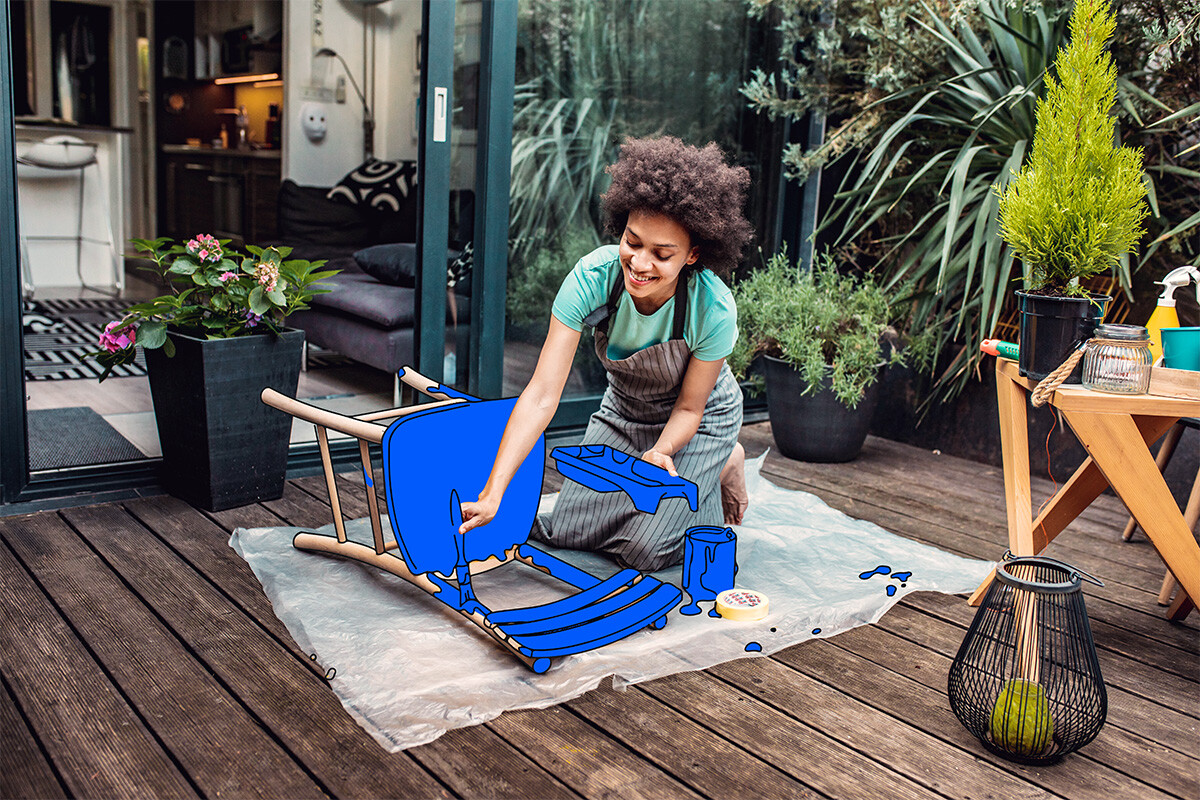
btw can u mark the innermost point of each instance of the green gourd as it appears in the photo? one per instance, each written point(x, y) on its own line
point(1021, 721)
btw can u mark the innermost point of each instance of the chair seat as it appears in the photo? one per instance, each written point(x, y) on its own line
point(599, 623)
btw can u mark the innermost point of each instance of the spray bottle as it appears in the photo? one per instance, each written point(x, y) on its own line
point(1164, 315)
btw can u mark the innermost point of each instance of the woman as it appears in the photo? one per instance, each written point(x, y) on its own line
point(664, 323)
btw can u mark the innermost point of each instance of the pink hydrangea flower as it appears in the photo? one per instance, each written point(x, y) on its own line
point(227, 276)
point(267, 274)
point(118, 339)
point(205, 247)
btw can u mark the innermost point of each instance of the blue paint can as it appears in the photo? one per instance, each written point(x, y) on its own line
point(709, 564)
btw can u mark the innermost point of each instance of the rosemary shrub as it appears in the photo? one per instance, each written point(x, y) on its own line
point(1077, 205)
point(822, 322)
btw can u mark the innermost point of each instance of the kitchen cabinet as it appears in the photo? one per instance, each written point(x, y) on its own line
point(231, 194)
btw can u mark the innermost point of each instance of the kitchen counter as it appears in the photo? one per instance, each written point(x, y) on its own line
point(209, 150)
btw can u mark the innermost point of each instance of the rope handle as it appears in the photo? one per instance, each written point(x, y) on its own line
point(1042, 392)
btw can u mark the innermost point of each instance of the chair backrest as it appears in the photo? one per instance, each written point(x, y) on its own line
point(429, 454)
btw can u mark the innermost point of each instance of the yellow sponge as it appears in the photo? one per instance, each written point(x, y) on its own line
point(742, 604)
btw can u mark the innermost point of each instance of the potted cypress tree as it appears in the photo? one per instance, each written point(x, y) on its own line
point(822, 338)
point(1077, 205)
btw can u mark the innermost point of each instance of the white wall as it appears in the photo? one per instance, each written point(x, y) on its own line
point(396, 24)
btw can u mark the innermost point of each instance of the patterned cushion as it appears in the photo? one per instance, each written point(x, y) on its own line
point(381, 185)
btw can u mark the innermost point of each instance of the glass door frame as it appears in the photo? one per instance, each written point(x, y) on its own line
point(492, 166)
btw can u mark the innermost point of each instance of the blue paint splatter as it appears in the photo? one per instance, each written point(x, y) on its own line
point(774, 629)
point(816, 631)
point(882, 569)
point(367, 478)
point(712, 612)
point(891, 590)
point(901, 576)
point(754, 647)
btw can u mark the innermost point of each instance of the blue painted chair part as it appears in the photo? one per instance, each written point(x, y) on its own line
point(603, 469)
point(434, 454)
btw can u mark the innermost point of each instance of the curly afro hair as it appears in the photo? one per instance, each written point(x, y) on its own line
point(691, 185)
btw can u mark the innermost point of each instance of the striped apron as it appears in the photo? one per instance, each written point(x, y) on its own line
point(642, 390)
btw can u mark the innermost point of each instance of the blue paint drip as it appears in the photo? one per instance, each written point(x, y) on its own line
point(754, 647)
point(901, 576)
point(891, 590)
point(816, 631)
point(880, 570)
point(367, 477)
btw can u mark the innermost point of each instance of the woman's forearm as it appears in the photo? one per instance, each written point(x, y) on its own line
point(680, 428)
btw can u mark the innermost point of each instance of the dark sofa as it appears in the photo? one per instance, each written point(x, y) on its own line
point(369, 314)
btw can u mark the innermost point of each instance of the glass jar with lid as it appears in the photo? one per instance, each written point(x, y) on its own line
point(1118, 360)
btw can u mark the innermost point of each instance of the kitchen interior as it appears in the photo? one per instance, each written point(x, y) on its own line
point(146, 119)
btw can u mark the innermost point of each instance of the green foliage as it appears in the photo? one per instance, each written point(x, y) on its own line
point(216, 293)
point(915, 204)
point(820, 321)
point(1077, 205)
point(591, 73)
point(529, 300)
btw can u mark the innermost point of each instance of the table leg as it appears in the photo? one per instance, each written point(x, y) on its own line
point(1118, 447)
point(1084, 487)
point(1014, 447)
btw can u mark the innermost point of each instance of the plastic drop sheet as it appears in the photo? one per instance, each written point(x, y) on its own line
point(408, 669)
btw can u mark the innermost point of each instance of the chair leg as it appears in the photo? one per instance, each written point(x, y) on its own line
point(1191, 515)
point(1165, 451)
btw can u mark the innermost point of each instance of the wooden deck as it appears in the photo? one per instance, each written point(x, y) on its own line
point(140, 658)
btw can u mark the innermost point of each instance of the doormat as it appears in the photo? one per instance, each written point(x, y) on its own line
point(58, 335)
point(407, 669)
point(73, 437)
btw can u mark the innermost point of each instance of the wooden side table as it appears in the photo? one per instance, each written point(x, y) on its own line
point(1117, 431)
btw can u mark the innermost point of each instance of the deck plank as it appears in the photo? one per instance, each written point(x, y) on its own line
point(157, 674)
point(902, 747)
point(863, 714)
point(710, 764)
point(273, 683)
point(96, 741)
point(802, 751)
point(1171, 769)
point(913, 701)
point(1110, 604)
point(24, 769)
point(584, 757)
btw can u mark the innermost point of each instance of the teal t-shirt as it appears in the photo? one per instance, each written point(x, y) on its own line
point(709, 330)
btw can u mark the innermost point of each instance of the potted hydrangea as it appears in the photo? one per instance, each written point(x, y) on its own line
point(212, 345)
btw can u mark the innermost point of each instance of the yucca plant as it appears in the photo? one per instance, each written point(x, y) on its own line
point(935, 167)
point(1077, 205)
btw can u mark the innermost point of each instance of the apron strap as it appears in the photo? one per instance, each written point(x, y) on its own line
point(599, 317)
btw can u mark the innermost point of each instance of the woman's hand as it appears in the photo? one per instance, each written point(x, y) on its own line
point(478, 514)
point(660, 459)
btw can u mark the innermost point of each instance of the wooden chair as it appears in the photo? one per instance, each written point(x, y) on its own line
point(432, 454)
point(1191, 513)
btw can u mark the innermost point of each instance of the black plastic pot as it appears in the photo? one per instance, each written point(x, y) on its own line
point(222, 447)
point(815, 426)
point(1050, 329)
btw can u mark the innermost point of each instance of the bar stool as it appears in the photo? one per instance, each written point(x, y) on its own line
point(1191, 512)
point(65, 154)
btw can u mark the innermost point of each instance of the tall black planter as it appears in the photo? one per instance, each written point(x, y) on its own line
point(222, 447)
point(1050, 329)
point(815, 426)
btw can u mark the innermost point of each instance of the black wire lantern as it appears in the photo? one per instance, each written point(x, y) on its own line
point(1026, 681)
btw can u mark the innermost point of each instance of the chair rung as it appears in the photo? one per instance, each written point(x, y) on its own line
point(557, 608)
point(601, 608)
point(603, 630)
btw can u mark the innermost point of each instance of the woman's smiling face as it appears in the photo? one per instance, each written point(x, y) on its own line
point(654, 251)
